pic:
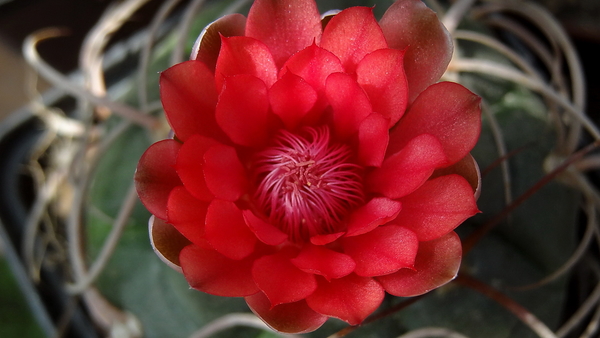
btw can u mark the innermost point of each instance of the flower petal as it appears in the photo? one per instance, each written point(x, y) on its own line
point(226, 230)
point(352, 34)
point(325, 262)
point(187, 214)
point(224, 173)
point(243, 109)
point(437, 207)
point(373, 138)
point(244, 55)
point(381, 75)
point(280, 280)
point(190, 166)
point(291, 99)
point(382, 251)
point(446, 110)
point(265, 232)
point(326, 239)
point(351, 298)
point(314, 64)
point(209, 271)
point(167, 242)
point(349, 102)
point(155, 178)
point(376, 212)
point(207, 46)
point(410, 25)
point(467, 168)
point(189, 96)
point(405, 171)
point(437, 263)
point(285, 26)
point(294, 317)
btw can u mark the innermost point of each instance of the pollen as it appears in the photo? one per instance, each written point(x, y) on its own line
point(306, 185)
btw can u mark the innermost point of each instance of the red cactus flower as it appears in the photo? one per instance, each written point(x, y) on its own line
point(316, 163)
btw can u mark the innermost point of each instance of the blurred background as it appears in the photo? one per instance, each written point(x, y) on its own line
point(19, 18)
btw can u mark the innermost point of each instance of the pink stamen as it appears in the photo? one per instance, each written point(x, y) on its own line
point(307, 185)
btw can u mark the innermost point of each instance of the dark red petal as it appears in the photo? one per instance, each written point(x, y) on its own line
point(224, 173)
point(155, 177)
point(291, 99)
point(294, 317)
point(190, 166)
point(285, 26)
point(382, 251)
point(189, 96)
point(437, 207)
point(437, 263)
point(226, 230)
point(349, 102)
point(209, 271)
point(244, 55)
point(280, 280)
point(243, 109)
point(208, 45)
point(373, 140)
point(405, 171)
point(352, 34)
point(187, 214)
point(410, 25)
point(351, 298)
point(265, 232)
point(381, 75)
point(376, 212)
point(446, 110)
point(467, 168)
point(325, 262)
point(167, 242)
point(326, 239)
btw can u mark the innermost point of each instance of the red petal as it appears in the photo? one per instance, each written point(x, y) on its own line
point(446, 110)
point(285, 26)
point(351, 298)
point(437, 263)
point(190, 166)
point(382, 251)
point(189, 96)
point(381, 75)
point(265, 232)
point(291, 99)
point(226, 230)
point(208, 45)
point(405, 171)
point(280, 280)
point(349, 102)
point(467, 168)
point(187, 214)
point(373, 140)
point(244, 55)
point(325, 262)
point(378, 211)
point(243, 109)
point(155, 177)
point(326, 239)
point(314, 64)
point(437, 207)
point(294, 317)
point(410, 25)
point(167, 242)
point(224, 173)
point(209, 271)
point(352, 34)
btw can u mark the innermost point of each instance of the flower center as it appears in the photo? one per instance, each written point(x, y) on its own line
point(307, 184)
